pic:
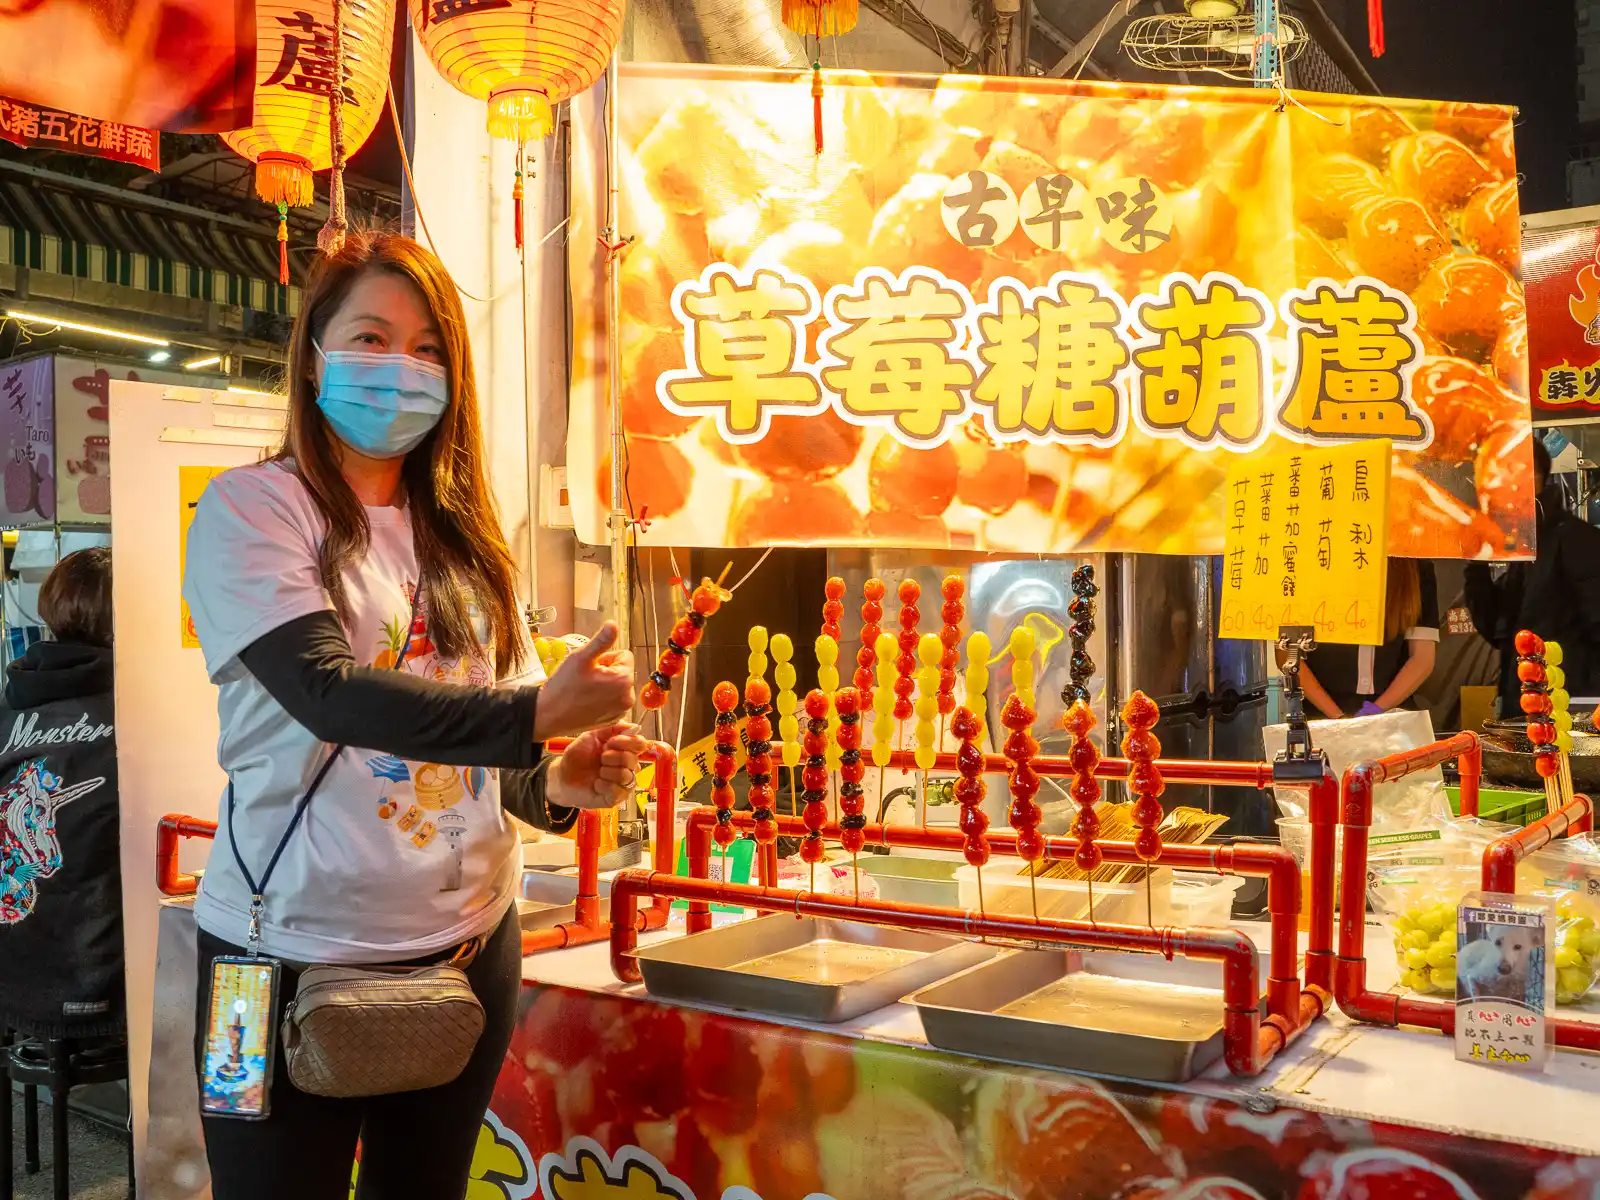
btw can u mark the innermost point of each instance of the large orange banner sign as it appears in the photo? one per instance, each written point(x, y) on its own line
point(1041, 316)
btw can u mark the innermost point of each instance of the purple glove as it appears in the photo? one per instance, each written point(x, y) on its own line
point(1368, 709)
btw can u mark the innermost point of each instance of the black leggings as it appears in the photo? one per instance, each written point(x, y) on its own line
point(414, 1145)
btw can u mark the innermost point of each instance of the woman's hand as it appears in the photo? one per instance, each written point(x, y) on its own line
point(593, 687)
point(599, 769)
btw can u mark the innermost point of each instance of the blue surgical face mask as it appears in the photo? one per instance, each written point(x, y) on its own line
point(381, 405)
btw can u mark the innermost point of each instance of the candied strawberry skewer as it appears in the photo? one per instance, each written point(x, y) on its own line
point(725, 697)
point(832, 607)
point(952, 613)
point(1533, 671)
point(1084, 757)
point(905, 664)
point(970, 791)
point(757, 697)
point(847, 707)
point(1141, 748)
point(815, 778)
point(705, 602)
point(867, 657)
point(1025, 815)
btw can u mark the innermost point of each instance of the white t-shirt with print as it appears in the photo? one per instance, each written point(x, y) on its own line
point(393, 859)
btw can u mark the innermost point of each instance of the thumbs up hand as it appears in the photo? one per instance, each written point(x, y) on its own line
point(593, 687)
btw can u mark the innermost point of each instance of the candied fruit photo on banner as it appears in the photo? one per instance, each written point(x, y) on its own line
point(1426, 521)
point(1374, 130)
point(1436, 169)
point(1492, 225)
point(1510, 360)
point(989, 476)
point(917, 482)
point(1466, 301)
point(809, 447)
point(1393, 238)
point(1463, 402)
point(786, 510)
point(1328, 191)
point(1504, 476)
point(658, 477)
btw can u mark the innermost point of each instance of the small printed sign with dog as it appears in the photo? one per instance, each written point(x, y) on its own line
point(1504, 979)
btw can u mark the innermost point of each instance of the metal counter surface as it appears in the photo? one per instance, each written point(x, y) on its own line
point(1407, 1077)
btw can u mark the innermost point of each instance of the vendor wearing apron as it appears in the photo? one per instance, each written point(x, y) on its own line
point(1357, 681)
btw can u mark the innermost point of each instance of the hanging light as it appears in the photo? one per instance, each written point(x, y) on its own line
point(298, 127)
point(522, 57)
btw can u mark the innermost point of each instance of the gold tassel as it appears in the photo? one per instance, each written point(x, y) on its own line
point(821, 18)
point(284, 179)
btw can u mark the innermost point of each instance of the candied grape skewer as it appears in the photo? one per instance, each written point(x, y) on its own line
point(1081, 612)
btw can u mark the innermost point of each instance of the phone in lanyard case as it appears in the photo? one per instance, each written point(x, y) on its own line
point(241, 1038)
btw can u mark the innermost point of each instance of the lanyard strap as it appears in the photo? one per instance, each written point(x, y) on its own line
point(258, 890)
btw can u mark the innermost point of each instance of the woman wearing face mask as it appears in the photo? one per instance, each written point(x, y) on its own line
point(356, 590)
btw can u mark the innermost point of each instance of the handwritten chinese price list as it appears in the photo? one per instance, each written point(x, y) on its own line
point(1504, 977)
point(1307, 543)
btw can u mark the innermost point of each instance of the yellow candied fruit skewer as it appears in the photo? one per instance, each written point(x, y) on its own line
point(929, 650)
point(828, 681)
point(883, 702)
point(785, 676)
point(1022, 644)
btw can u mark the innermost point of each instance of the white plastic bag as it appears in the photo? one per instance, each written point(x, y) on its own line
point(1351, 740)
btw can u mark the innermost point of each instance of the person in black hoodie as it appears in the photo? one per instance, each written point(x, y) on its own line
point(1557, 595)
point(61, 954)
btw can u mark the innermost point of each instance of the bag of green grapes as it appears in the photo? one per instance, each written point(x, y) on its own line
point(1415, 881)
point(1568, 872)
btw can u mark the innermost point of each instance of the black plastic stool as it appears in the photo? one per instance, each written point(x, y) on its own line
point(59, 1064)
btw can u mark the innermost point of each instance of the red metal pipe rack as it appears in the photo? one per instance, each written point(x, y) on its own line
point(1501, 856)
point(1351, 993)
point(587, 925)
point(1249, 1044)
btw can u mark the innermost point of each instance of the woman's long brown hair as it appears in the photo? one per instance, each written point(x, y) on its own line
point(1403, 603)
point(460, 547)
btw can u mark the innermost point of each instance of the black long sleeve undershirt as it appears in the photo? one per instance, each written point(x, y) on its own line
point(306, 666)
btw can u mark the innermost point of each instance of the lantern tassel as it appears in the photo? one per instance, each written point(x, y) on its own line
point(283, 242)
point(330, 238)
point(1375, 27)
point(516, 202)
point(816, 100)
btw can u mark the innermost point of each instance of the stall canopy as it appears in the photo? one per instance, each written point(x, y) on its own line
point(1042, 316)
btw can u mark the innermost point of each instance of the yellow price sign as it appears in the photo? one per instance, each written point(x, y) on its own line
point(1307, 543)
point(192, 483)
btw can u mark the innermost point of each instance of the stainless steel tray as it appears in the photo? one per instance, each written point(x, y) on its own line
point(549, 899)
point(1136, 1016)
point(810, 969)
